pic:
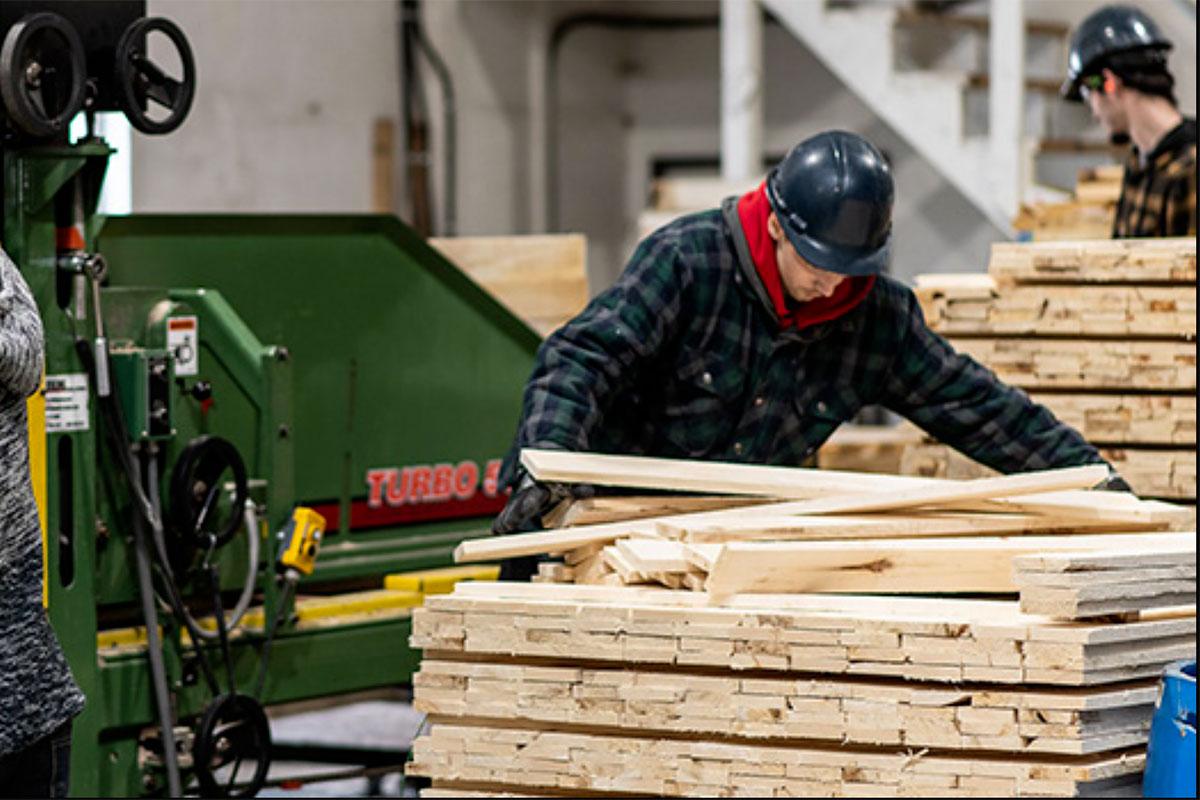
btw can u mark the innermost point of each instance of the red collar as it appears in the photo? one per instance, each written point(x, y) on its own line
point(753, 211)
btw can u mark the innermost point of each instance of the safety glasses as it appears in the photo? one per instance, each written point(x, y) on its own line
point(1089, 84)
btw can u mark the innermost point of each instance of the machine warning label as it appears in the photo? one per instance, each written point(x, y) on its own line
point(66, 402)
point(183, 341)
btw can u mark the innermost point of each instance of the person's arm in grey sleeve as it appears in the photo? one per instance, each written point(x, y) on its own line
point(21, 344)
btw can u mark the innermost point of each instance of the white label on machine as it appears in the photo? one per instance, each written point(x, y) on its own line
point(183, 342)
point(66, 402)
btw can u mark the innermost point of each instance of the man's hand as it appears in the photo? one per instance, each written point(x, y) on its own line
point(530, 500)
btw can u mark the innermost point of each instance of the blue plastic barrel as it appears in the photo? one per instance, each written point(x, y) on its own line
point(1171, 755)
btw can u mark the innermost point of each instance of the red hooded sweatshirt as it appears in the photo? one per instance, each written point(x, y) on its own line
point(753, 211)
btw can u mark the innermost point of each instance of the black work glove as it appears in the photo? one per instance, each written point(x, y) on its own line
point(1114, 483)
point(529, 501)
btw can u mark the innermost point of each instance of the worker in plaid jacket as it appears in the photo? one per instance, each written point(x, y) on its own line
point(1118, 66)
point(750, 332)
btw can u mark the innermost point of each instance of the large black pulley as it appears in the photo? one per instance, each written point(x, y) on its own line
point(233, 740)
point(203, 515)
point(140, 81)
point(42, 74)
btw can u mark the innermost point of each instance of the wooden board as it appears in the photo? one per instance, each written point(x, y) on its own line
point(723, 705)
point(1068, 221)
point(894, 526)
point(710, 477)
point(681, 195)
point(1092, 365)
point(976, 307)
point(1110, 580)
point(1153, 473)
point(967, 491)
point(542, 279)
point(945, 640)
point(1126, 418)
point(978, 564)
point(618, 508)
point(511, 755)
point(867, 448)
point(1142, 261)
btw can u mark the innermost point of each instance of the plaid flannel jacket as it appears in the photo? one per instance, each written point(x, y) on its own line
point(683, 358)
point(1159, 197)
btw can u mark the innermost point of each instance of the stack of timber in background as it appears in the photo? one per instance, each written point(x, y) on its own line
point(671, 198)
point(542, 278)
point(784, 672)
point(1088, 215)
point(1102, 333)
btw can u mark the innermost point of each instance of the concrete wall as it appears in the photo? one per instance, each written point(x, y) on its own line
point(289, 91)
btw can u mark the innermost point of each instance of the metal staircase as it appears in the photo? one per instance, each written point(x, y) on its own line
point(959, 93)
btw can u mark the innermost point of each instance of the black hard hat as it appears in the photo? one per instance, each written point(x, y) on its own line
point(833, 196)
point(1104, 33)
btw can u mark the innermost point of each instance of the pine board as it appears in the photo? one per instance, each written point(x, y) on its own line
point(552, 759)
point(1069, 222)
point(542, 279)
point(1142, 261)
point(965, 492)
point(1126, 418)
point(619, 508)
point(976, 564)
point(976, 307)
point(938, 640)
point(709, 477)
point(1039, 364)
point(1152, 473)
point(894, 526)
point(729, 705)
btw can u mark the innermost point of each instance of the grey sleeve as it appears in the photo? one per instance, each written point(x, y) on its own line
point(21, 343)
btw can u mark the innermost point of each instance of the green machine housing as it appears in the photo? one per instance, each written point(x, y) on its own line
point(354, 370)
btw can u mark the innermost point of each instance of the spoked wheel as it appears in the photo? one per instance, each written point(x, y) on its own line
point(42, 74)
point(233, 743)
point(142, 84)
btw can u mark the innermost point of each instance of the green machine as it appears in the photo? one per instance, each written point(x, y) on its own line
point(257, 434)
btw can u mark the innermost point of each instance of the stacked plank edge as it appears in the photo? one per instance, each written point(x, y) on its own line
point(1101, 332)
point(784, 671)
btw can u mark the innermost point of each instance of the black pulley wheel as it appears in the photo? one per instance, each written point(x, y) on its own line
point(141, 82)
point(43, 73)
point(202, 513)
point(233, 741)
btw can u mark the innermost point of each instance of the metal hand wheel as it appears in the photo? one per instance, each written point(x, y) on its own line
point(42, 74)
point(232, 739)
point(140, 81)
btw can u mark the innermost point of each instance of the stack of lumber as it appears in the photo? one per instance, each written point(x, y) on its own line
point(541, 279)
point(816, 653)
point(1102, 333)
point(1087, 215)
point(671, 198)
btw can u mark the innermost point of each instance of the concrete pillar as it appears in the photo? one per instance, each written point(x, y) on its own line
point(1006, 101)
point(741, 89)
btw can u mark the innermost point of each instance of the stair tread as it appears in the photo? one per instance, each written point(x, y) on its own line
point(1039, 27)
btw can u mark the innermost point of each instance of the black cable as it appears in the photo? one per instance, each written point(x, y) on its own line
point(280, 611)
point(158, 672)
